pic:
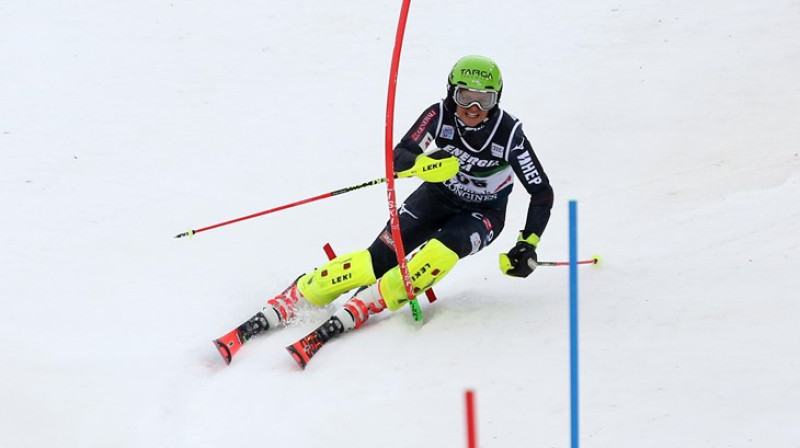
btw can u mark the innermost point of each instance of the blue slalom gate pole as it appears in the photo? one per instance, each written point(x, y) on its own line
point(573, 321)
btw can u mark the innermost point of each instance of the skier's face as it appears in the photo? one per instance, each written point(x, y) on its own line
point(471, 116)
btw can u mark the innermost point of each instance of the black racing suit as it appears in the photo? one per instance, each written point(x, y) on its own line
point(467, 211)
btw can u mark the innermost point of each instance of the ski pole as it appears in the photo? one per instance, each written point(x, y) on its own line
point(284, 207)
point(401, 175)
point(594, 260)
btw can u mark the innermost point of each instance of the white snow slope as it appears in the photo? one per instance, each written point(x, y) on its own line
point(673, 123)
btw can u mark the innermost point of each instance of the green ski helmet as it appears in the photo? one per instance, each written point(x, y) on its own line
point(475, 73)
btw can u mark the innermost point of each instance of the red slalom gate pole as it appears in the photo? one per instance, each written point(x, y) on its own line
point(391, 196)
point(472, 436)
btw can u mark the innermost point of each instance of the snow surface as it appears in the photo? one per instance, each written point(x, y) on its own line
point(674, 123)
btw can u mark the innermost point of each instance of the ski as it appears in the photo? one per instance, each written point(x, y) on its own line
point(283, 307)
point(303, 350)
point(229, 344)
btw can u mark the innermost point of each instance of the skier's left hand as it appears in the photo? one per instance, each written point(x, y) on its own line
point(520, 261)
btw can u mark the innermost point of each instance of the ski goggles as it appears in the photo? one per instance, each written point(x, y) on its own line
point(465, 98)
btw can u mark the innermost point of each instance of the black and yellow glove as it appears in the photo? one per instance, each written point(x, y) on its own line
point(521, 260)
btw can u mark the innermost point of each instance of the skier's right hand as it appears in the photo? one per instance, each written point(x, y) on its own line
point(432, 170)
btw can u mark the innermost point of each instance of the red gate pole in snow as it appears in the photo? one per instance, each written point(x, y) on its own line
point(472, 437)
point(394, 220)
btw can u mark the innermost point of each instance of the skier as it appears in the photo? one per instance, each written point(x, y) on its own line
point(458, 210)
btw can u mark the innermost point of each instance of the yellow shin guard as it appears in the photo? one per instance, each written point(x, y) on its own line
point(337, 276)
point(426, 268)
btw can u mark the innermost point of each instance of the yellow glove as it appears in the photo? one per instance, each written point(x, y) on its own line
point(432, 170)
point(521, 260)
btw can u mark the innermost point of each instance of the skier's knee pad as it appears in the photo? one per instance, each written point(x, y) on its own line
point(426, 268)
point(337, 276)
